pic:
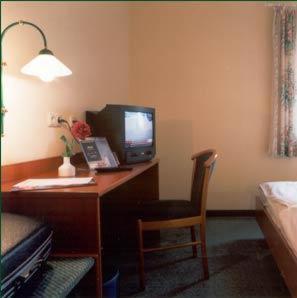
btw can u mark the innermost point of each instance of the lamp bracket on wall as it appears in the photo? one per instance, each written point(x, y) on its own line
point(45, 66)
point(3, 109)
point(25, 23)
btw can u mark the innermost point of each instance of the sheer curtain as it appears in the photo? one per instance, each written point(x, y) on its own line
point(284, 132)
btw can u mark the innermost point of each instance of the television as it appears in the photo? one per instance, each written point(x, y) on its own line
point(129, 130)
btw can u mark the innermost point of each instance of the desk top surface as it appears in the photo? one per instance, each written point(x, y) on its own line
point(105, 182)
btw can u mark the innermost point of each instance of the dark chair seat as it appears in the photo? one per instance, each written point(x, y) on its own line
point(165, 209)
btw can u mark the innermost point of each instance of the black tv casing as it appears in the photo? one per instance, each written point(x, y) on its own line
point(110, 123)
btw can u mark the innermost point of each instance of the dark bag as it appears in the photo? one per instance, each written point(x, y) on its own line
point(25, 247)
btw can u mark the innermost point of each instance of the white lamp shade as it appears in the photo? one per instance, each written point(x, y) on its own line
point(46, 66)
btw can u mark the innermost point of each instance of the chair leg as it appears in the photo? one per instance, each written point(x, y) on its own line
point(193, 237)
point(141, 255)
point(203, 251)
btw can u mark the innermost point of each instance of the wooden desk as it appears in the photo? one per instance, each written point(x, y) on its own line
point(74, 213)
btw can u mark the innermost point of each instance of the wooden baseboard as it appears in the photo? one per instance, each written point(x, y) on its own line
point(247, 213)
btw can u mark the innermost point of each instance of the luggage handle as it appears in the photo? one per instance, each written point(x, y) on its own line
point(26, 274)
point(23, 277)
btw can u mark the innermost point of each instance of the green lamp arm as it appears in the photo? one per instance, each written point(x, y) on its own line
point(3, 110)
point(24, 23)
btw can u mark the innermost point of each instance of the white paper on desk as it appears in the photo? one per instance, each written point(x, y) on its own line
point(32, 184)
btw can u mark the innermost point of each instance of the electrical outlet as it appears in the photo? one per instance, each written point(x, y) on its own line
point(53, 120)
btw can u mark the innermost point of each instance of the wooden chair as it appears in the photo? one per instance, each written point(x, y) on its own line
point(167, 214)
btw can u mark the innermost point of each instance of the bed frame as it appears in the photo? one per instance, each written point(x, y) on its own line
point(282, 253)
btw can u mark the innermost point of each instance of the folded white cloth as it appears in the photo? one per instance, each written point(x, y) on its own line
point(284, 192)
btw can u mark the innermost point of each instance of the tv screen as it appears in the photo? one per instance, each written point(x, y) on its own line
point(138, 129)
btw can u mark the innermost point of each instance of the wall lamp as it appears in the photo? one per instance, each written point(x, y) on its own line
point(45, 66)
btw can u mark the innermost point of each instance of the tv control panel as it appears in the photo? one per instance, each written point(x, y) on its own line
point(139, 155)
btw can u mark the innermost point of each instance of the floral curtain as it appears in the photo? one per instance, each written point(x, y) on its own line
point(284, 132)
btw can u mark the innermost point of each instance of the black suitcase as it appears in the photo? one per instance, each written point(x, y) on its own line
point(25, 247)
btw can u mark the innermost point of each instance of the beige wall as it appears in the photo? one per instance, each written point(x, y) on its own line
point(91, 39)
point(206, 68)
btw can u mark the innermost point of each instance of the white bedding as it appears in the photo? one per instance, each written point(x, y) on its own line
point(281, 203)
point(282, 191)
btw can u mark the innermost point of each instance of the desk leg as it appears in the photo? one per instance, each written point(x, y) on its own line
point(98, 277)
point(98, 260)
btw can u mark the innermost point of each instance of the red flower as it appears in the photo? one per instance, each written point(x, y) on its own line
point(80, 130)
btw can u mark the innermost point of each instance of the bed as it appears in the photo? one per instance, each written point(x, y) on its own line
point(277, 217)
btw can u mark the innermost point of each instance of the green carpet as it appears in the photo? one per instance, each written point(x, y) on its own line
point(240, 265)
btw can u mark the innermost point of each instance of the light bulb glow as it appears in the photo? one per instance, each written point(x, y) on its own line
point(47, 67)
point(46, 78)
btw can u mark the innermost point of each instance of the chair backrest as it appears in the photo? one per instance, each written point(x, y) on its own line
point(203, 166)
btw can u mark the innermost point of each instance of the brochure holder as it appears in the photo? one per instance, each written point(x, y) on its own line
point(98, 154)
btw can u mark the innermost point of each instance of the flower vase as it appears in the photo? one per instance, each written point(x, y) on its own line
point(66, 169)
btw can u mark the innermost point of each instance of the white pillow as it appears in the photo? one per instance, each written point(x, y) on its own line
point(282, 191)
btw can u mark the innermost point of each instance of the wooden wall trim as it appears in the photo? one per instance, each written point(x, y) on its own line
point(241, 213)
point(27, 169)
point(31, 168)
